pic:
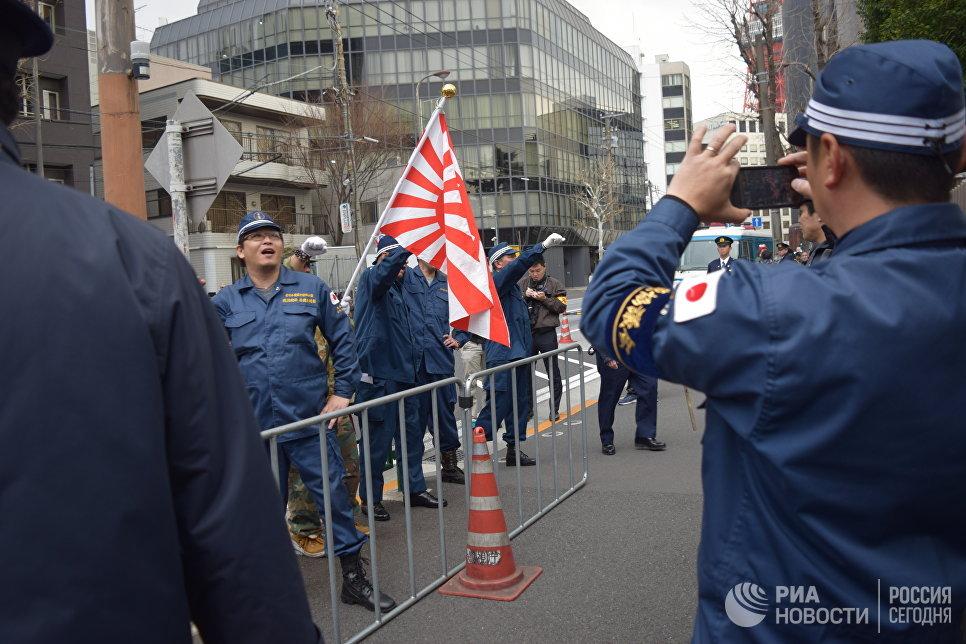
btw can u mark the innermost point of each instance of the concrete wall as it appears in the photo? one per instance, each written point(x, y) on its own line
point(165, 71)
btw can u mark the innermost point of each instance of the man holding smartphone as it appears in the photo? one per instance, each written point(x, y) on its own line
point(871, 495)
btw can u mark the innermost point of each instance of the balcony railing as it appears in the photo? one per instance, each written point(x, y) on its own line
point(224, 220)
point(288, 150)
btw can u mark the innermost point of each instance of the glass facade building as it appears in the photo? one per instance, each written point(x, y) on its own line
point(535, 82)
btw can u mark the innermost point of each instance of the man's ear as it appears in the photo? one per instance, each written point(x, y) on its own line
point(835, 160)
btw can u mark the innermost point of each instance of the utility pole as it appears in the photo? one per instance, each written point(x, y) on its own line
point(120, 110)
point(766, 111)
point(177, 190)
point(38, 118)
point(344, 97)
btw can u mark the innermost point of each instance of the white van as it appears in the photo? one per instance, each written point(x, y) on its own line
point(701, 250)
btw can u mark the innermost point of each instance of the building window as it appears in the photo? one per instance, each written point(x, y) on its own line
point(226, 211)
point(281, 208)
point(672, 101)
point(370, 212)
point(46, 12)
point(234, 128)
point(673, 124)
point(51, 102)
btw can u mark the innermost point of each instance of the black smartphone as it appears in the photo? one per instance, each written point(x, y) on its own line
point(765, 187)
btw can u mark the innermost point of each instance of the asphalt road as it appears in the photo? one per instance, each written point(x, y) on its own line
point(618, 556)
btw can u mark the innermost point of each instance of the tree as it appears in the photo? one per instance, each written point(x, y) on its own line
point(597, 196)
point(749, 25)
point(383, 140)
point(942, 20)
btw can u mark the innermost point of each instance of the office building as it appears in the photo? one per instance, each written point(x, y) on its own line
point(61, 99)
point(668, 119)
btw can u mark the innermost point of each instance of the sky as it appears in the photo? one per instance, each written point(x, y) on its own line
point(656, 26)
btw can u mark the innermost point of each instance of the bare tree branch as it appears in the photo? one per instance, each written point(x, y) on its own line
point(323, 151)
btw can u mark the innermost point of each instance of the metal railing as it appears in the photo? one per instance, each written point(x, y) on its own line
point(561, 490)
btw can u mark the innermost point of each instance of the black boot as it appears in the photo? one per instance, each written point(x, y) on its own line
point(511, 457)
point(356, 588)
point(451, 471)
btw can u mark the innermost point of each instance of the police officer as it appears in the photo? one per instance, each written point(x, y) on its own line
point(872, 492)
point(387, 354)
point(427, 298)
point(783, 253)
point(507, 271)
point(724, 261)
point(271, 315)
point(122, 401)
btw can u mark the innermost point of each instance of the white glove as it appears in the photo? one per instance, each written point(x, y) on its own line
point(346, 302)
point(553, 240)
point(314, 246)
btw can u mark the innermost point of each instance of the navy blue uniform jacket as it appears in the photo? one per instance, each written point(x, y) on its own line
point(135, 494)
point(834, 447)
point(715, 264)
point(514, 309)
point(275, 345)
point(428, 305)
point(384, 339)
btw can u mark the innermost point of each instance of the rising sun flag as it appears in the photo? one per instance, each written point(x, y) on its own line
point(429, 214)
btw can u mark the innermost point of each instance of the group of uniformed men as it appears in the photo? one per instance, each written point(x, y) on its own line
point(276, 317)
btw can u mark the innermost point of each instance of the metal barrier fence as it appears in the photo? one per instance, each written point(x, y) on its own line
point(574, 481)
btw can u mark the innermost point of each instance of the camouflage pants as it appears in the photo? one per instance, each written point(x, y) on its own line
point(302, 515)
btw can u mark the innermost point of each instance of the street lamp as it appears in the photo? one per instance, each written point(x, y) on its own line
point(442, 74)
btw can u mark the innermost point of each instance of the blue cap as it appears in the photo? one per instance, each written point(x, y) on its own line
point(386, 244)
point(501, 249)
point(903, 96)
point(253, 221)
point(34, 34)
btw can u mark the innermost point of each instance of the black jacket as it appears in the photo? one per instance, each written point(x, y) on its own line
point(135, 492)
point(824, 250)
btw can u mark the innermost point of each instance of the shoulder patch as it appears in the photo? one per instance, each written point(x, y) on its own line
point(634, 322)
point(696, 297)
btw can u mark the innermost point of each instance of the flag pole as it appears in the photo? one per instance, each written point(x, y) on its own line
point(448, 91)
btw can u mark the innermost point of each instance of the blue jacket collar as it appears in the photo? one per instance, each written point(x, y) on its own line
point(287, 277)
point(905, 226)
point(9, 146)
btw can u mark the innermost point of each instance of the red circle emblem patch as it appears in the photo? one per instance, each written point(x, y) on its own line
point(696, 292)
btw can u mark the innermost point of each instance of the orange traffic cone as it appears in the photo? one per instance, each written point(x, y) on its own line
point(491, 571)
point(564, 333)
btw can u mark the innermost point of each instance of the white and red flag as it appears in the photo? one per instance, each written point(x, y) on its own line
point(429, 214)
